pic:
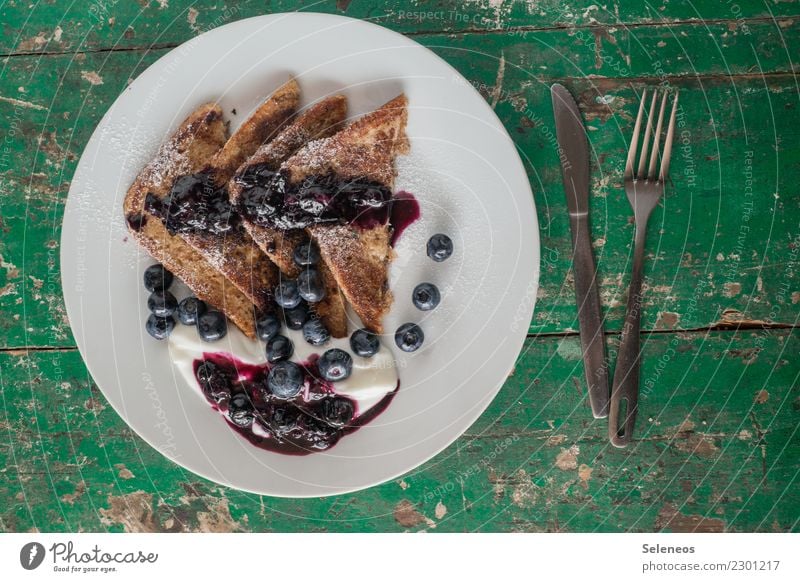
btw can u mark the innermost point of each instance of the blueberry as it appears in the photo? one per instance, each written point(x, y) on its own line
point(190, 309)
point(310, 285)
point(440, 247)
point(306, 253)
point(162, 303)
point(159, 327)
point(212, 326)
point(157, 278)
point(285, 379)
point(426, 296)
point(295, 318)
point(364, 343)
point(279, 348)
point(286, 294)
point(335, 365)
point(267, 326)
point(337, 411)
point(409, 337)
point(240, 410)
point(214, 382)
point(315, 332)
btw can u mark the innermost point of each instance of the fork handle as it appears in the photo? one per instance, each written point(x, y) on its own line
point(625, 387)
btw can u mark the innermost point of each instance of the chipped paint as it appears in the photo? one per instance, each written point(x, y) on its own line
point(585, 474)
point(731, 289)
point(406, 514)
point(123, 472)
point(70, 498)
point(440, 511)
point(670, 518)
point(20, 103)
point(217, 518)
point(92, 77)
point(667, 320)
point(567, 459)
point(498, 84)
point(697, 444)
point(133, 511)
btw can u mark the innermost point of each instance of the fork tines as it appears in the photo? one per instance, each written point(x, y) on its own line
point(656, 139)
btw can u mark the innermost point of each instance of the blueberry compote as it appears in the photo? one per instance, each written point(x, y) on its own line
point(312, 421)
point(195, 204)
point(268, 199)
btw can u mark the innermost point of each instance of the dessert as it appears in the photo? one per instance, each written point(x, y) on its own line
point(276, 229)
point(250, 192)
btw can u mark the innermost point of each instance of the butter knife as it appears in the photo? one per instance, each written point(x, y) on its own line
point(573, 153)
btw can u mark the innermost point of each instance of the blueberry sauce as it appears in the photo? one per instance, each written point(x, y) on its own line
point(268, 199)
point(312, 421)
point(195, 204)
point(136, 221)
point(405, 211)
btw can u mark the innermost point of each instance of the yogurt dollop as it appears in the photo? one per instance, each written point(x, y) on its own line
point(369, 387)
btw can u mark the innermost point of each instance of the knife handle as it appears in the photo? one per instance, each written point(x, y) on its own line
point(590, 316)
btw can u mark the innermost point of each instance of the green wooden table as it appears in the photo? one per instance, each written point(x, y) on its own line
point(717, 447)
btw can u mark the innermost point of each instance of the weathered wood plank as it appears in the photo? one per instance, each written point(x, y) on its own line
point(718, 449)
point(723, 244)
point(103, 24)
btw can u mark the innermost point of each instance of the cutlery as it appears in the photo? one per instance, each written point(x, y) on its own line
point(644, 187)
point(574, 155)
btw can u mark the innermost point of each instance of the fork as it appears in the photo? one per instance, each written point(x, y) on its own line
point(644, 187)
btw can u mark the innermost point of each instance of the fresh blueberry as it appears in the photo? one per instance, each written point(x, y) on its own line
point(212, 326)
point(213, 381)
point(267, 326)
point(285, 379)
point(335, 365)
point(364, 343)
point(162, 303)
point(159, 327)
point(310, 285)
point(279, 348)
point(286, 294)
point(190, 309)
point(295, 318)
point(315, 332)
point(337, 411)
point(306, 253)
point(240, 410)
point(157, 278)
point(426, 296)
point(440, 247)
point(409, 337)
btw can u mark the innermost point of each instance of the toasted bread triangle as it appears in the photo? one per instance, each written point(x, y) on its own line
point(318, 121)
point(235, 254)
point(199, 137)
point(358, 258)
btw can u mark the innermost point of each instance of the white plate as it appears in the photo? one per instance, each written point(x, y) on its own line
point(463, 168)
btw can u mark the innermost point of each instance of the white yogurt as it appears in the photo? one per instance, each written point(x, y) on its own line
point(371, 380)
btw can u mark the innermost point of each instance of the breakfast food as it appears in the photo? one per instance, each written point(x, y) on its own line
point(198, 139)
point(276, 229)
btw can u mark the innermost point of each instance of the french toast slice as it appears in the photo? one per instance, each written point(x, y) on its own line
point(318, 121)
point(358, 255)
point(233, 251)
point(200, 137)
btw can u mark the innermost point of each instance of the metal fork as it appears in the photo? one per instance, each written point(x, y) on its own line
point(644, 187)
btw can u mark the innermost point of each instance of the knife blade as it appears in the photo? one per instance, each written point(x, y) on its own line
point(573, 153)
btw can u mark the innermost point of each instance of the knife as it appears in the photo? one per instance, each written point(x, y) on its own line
point(573, 153)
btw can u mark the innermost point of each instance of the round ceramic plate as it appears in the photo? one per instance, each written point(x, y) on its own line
point(463, 169)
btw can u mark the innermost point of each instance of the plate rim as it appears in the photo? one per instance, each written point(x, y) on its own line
point(516, 340)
